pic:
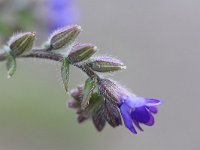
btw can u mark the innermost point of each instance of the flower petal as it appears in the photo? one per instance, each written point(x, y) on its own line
point(137, 125)
point(151, 120)
point(152, 102)
point(124, 109)
point(153, 109)
point(141, 114)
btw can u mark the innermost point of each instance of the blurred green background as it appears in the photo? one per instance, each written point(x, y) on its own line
point(157, 40)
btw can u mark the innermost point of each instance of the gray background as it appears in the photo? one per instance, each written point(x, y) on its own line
point(159, 42)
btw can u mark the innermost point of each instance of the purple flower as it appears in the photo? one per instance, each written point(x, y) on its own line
point(112, 104)
point(134, 110)
point(61, 13)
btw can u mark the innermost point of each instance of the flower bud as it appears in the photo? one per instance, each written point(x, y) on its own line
point(77, 93)
point(111, 91)
point(64, 36)
point(106, 64)
point(81, 52)
point(21, 42)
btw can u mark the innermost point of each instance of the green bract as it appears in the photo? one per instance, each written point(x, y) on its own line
point(65, 72)
point(90, 84)
point(11, 65)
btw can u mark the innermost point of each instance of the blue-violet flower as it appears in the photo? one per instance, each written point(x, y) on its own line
point(134, 110)
point(61, 13)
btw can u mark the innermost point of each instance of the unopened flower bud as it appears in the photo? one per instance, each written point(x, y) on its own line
point(81, 52)
point(111, 91)
point(64, 36)
point(81, 118)
point(77, 93)
point(21, 42)
point(106, 64)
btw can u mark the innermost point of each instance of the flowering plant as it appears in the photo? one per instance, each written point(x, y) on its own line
point(100, 99)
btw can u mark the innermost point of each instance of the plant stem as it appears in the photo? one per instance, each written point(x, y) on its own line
point(43, 54)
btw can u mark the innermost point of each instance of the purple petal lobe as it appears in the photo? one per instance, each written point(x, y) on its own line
point(124, 109)
point(152, 102)
point(153, 109)
point(141, 114)
point(137, 125)
point(151, 120)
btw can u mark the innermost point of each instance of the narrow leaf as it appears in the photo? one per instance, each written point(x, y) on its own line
point(90, 84)
point(11, 65)
point(65, 72)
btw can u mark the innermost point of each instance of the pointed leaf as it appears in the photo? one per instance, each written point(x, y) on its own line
point(90, 85)
point(11, 65)
point(65, 72)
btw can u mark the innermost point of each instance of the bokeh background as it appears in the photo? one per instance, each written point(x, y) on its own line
point(158, 40)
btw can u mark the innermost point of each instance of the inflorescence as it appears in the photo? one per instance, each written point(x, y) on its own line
point(100, 99)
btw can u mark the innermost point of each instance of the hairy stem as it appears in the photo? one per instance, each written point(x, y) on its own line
point(44, 54)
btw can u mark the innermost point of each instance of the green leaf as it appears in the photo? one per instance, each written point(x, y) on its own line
point(90, 85)
point(11, 65)
point(65, 72)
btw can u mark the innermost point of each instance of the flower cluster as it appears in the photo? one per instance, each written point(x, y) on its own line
point(99, 110)
point(100, 99)
point(114, 103)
